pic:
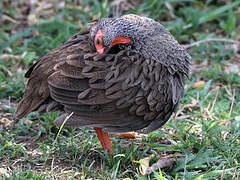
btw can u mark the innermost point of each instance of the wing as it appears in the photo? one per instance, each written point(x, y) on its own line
point(118, 92)
point(37, 91)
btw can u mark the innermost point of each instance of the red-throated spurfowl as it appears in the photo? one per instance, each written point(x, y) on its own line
point(123, 74)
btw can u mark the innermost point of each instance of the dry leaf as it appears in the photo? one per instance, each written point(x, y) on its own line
point(43, 6)
point(28, 122)
point(8, 49)
point(199, 84)
point(183, 117)
point(128, 135)
point(6, 122)
point(34, 153)
point(161, 163)
point(32, 18)
point(4, 172)
point(10, 56)
point(194, 104)
point(233, 47)
point(145, 164)
point(61, 4)
point(197, 66)
point(164, 162)
point(224, 123)
point(231, 68)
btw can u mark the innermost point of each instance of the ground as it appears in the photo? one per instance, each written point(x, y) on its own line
point(201, 141)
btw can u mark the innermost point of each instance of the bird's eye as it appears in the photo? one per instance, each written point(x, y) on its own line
point(98, 41)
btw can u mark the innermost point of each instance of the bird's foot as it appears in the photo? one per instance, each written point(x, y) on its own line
point(104, 139)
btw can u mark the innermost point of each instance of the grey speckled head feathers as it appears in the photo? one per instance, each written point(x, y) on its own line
point(149, 39)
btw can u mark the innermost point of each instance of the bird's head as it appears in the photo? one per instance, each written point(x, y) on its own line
point(140, 35)
point(108, 32)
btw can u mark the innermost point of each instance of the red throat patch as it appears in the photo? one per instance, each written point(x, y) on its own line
point(121, 40)
point(98, 41)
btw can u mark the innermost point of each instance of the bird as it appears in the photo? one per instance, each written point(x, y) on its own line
point(121, 74)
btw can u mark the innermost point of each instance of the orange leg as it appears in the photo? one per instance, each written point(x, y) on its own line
point(104, 139)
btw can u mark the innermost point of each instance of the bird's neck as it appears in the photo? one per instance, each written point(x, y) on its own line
point(162, 47)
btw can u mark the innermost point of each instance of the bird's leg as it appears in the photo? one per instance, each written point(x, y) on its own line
point(104, 139)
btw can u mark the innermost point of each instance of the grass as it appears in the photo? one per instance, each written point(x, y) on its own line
point(206, 130)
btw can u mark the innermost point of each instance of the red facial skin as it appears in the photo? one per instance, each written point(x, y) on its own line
point(98, 41)
point(120, 40)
